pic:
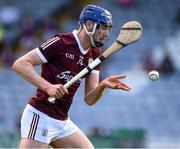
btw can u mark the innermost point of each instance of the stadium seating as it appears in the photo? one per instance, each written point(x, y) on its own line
point(150, 106)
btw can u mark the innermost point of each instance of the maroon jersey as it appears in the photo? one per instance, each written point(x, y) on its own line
point(63, 58)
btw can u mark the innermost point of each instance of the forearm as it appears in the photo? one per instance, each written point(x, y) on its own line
point(94, 95)
point(26, 70)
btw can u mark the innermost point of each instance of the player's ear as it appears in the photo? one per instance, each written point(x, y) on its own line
point(89, 25)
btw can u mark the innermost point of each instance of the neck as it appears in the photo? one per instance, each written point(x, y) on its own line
point(84, 39)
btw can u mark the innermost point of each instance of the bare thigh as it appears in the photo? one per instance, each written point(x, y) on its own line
point(27, 143)
point(76, 140)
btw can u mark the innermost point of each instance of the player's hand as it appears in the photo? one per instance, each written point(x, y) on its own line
point(114, 82)
point(57, 91)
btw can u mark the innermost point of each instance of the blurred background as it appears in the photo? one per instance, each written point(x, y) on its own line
point(147, 116)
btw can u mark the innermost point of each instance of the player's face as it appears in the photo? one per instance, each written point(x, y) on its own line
point(101, 35)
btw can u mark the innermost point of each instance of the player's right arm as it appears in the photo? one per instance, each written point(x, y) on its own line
point(24, 66)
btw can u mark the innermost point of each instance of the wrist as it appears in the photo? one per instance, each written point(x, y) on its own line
point(46, 87)
point(102, 85)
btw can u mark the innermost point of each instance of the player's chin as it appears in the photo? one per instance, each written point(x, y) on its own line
point(99, 44)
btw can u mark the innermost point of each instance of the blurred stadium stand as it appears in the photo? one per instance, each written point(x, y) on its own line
point(152, 108)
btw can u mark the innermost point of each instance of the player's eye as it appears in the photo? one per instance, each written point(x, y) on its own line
point(106, 27)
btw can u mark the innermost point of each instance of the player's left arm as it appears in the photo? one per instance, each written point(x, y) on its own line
point(94, 90)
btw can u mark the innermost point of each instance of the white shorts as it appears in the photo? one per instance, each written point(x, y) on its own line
point(38, 126)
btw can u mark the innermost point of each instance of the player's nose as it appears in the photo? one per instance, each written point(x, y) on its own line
point(106, 33)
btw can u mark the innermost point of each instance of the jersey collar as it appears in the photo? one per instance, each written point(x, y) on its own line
point(83, 51)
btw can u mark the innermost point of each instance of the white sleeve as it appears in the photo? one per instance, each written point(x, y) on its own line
point(95, 71)
point(41, 55)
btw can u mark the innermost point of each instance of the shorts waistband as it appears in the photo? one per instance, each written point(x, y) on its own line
point(31, 108)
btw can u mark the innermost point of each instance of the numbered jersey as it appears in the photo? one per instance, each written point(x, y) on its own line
point(63, 58)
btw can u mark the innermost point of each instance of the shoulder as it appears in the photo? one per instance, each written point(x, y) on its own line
point(66, 37)
point(58, 40)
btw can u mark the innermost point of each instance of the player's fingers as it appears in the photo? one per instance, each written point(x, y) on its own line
point(123, 88)
point(125, 85)
point(60, 92)
point(58, 95)
point(64, 90)
point(120, 76)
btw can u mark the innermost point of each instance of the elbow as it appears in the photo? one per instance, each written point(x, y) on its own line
point(89, 102)
point(15, 65)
